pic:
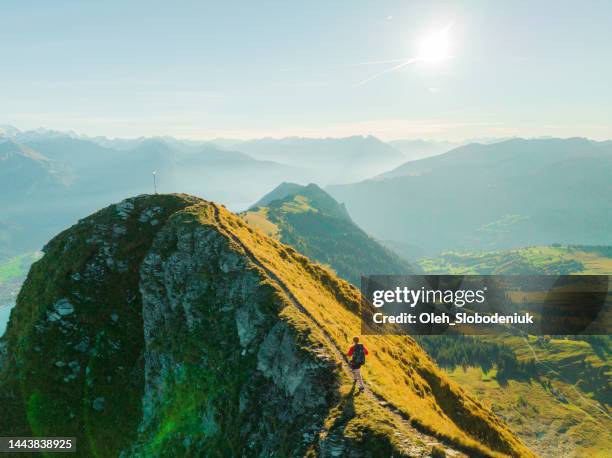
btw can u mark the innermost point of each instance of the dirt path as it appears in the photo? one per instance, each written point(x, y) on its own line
point(412, 446)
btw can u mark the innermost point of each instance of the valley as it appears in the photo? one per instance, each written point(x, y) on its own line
point(560, 402)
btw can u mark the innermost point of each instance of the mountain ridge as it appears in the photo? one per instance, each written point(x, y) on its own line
point(181, 242)
point(482, 154)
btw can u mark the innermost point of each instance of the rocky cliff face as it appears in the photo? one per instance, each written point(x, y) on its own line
point(222, 371)
point(75, 341)
point(164, 326)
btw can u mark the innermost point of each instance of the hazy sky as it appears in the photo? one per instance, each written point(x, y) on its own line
point(206, 69)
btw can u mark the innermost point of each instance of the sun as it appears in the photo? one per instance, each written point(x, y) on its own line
point(435, 46)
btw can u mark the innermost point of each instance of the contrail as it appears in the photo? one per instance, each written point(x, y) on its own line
point(389, 70)
point(375, 62)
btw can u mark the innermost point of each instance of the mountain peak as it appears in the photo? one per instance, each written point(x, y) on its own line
point(214, 331)
point(280, 192)
point(307, 198)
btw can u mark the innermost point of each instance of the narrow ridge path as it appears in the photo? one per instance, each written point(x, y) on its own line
point(451, 449)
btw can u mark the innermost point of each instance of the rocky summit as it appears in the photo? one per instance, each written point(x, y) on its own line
point(166, 326)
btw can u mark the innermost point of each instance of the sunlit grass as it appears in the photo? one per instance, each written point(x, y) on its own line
point(259, 219)
point(398, 369)
point(529, 260)
point(538, 416)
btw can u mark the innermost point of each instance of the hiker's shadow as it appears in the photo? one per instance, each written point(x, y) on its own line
point(346, 407)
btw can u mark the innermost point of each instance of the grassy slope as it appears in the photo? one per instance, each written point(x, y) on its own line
point(565, 409)
point(259, 219)
point(552, 428)
point(398, 369)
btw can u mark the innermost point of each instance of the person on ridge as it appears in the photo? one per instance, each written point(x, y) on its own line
point(357, 353)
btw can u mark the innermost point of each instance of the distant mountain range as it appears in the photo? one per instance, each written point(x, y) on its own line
point(47, 182)
point(484, 192)
point(48, 178)
point(502, 195)
point(322, 160)
point(195, 168)
point(419, 149)
point(414, 149)
point(332, 160)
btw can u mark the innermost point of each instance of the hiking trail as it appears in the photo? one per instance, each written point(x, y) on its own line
point(412, 444)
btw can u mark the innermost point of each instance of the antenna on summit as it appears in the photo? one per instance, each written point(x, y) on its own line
point(155, 181)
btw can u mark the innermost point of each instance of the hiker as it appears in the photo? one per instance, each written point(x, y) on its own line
point(357, 353)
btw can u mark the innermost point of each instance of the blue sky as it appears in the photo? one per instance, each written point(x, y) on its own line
point(276, 68)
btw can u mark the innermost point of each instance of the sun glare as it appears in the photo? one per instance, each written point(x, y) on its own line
point(435, 46)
